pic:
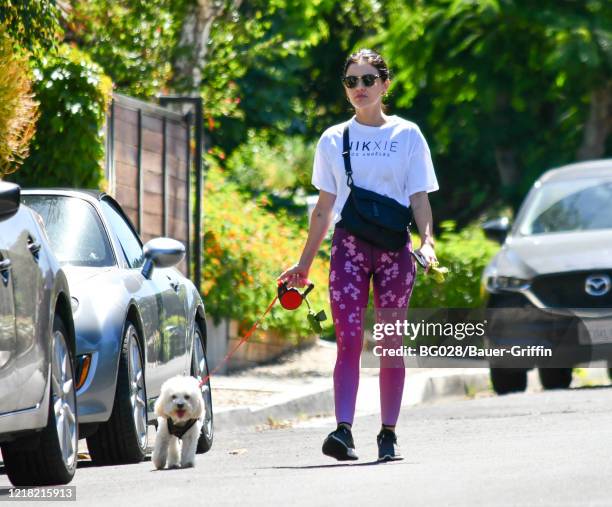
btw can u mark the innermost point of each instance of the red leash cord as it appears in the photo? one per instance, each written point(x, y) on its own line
point(244, 339)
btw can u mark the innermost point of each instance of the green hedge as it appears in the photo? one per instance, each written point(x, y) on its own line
point(465, 254)
point(246, 247)
point(68, 147)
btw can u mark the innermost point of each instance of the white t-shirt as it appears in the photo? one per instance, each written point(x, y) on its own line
point(392, 160)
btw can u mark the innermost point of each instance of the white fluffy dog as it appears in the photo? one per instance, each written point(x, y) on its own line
point(180, 410)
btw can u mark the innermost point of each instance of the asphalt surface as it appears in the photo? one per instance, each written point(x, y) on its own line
point(538, 448)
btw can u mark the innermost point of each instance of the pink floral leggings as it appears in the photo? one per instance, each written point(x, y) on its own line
point(353, 263)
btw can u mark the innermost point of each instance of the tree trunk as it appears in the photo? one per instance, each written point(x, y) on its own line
point(190, 57)
point(505, 155)
point(506, 166)
point(598, 124)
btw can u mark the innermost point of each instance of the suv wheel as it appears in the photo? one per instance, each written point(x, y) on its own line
point(555, 378)
point(508, 380)
point(54, 460)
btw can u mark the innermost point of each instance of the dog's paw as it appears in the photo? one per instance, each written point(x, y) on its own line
point(188, 464)
point(173, 466)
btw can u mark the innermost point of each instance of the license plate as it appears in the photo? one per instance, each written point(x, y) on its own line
point(596, 331)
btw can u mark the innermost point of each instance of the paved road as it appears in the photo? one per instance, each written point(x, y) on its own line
point(543, 448)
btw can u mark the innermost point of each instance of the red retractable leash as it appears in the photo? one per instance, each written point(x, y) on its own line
point(290, 299)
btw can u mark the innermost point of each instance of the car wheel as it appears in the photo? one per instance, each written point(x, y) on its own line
point(199, 369)
point(54, 459)
point(123, 438)
point(555, 378)
point(508, 380)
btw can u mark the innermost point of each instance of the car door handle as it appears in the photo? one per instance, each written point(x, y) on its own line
point(34, 247)
point(5, 266)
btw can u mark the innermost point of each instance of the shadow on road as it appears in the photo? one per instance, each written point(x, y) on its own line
point(336, 465)
point(87, 463)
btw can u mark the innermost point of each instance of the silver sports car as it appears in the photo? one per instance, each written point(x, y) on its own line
point(138, 320)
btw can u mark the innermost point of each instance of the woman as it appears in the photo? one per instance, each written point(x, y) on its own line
point(390, 156)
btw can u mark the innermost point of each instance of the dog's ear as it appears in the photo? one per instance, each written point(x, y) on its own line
point(199, 403)
point(159, 406)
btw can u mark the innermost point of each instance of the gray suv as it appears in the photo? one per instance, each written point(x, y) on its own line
point(38, 417)
point(553, 275)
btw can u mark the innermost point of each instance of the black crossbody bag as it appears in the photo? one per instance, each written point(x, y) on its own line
point(372, 217)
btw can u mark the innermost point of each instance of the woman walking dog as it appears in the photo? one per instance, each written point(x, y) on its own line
point(381, 163)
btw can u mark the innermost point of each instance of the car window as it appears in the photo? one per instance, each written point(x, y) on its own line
point(566, 206)
point(130, 243)
point(74, 229)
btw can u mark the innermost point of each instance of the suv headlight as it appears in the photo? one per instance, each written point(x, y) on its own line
point(510, 283)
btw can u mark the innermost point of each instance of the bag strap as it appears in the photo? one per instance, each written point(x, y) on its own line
point(346, 155)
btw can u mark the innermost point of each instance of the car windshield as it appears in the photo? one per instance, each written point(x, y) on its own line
point(565, 206)
point(74, 229)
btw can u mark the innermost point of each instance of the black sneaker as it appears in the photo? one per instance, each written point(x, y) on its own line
point(339, 444)
point(388, 449)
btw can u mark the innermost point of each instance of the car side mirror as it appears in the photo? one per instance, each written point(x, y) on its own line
point(497, 229)
point(10, 195)
point(161, 253)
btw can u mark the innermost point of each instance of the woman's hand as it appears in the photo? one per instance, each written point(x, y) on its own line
point(295, 276)
point(427, 251)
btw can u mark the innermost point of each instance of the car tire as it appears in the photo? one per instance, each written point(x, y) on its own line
point(123, 438)
point(555, 378)
point(199, 369)
point(54, 459)
point(508, 380)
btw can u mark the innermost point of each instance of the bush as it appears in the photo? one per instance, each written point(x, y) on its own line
point(18, 111)
point(465, 254)
point(68, 147)
point(245, 249)
point(279, 168)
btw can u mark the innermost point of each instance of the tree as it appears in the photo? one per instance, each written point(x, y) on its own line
point(32, 25)
point(133, 41)
point(194, 36)
point(506, 82)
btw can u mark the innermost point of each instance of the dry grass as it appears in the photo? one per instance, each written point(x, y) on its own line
point(18, 110)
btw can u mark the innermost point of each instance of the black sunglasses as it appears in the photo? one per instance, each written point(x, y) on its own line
point(367, 80)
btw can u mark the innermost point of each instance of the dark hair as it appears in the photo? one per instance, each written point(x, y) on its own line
point(373, 58)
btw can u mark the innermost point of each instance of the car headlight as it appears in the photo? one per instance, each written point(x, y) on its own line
point(507, 283)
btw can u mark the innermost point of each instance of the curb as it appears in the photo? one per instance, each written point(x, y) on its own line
point(422, 387)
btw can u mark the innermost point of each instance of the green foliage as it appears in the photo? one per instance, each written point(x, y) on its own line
point(68, 147)
point(18, 111)
point(260, 166)
point(245, 249)
point(132, 40)
point(490, 78)
point(276, 66)
point(33, 25)
point(465, 254)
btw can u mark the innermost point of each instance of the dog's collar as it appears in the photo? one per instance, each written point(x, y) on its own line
point(179, 431)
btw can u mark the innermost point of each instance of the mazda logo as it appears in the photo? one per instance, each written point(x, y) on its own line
point(597, 285)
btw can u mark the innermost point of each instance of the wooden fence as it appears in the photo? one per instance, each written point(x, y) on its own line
point(149, 171)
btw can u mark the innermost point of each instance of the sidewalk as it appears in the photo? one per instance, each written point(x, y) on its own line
point(300, 385)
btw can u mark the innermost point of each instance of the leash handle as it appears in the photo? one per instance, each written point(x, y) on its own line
point(242, 340)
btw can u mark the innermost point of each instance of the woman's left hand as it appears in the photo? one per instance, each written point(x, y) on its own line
point(427, 251)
